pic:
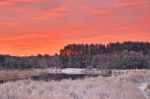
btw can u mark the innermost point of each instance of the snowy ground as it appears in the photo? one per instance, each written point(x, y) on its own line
point(116, 87)
point(144, 89)
point(95, 71)
point(7, 75)
point(72, 71)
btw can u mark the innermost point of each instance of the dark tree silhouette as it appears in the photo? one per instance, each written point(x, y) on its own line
point(125, 55)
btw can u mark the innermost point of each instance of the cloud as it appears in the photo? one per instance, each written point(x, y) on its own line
point(34, 9)
point(44, 26)
point(8, 24)
point(94, 11)
point(30, 5)
point(45, 14)
point(21, 44)
point(127, 3)
point(8, 3)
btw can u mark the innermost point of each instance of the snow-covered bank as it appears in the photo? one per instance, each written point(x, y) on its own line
point(95, 71)
point(114, 87)
point(144, 89)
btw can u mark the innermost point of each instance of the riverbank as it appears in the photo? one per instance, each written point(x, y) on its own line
point(115, 87)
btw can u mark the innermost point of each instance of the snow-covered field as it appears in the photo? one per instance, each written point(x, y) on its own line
point(143, 88)
point(115, 87)
point(7, 75)
point(94, 71)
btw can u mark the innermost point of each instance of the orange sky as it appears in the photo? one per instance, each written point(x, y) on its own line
point(29, 27)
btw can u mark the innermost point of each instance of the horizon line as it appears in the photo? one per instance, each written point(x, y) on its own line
point(28, 55)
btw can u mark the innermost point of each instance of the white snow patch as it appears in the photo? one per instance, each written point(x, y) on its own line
point(143, 88)
point(72, 71)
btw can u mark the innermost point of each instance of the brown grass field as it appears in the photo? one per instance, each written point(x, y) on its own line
point(20, 74)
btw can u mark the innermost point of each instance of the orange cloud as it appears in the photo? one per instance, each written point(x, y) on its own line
point(94, 11)
point(8, 3)
point(44, 26)
point(99, 11)
point(125, 3)
point(28, 45)
point(52, 12)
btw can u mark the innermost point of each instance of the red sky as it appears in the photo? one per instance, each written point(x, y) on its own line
point(29, 27)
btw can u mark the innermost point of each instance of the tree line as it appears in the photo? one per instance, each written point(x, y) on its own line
point(94, 49)
point(126, 55)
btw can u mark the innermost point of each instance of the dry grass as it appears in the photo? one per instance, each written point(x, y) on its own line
point(122, 87)
point(20, 74)
point(148, 86)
